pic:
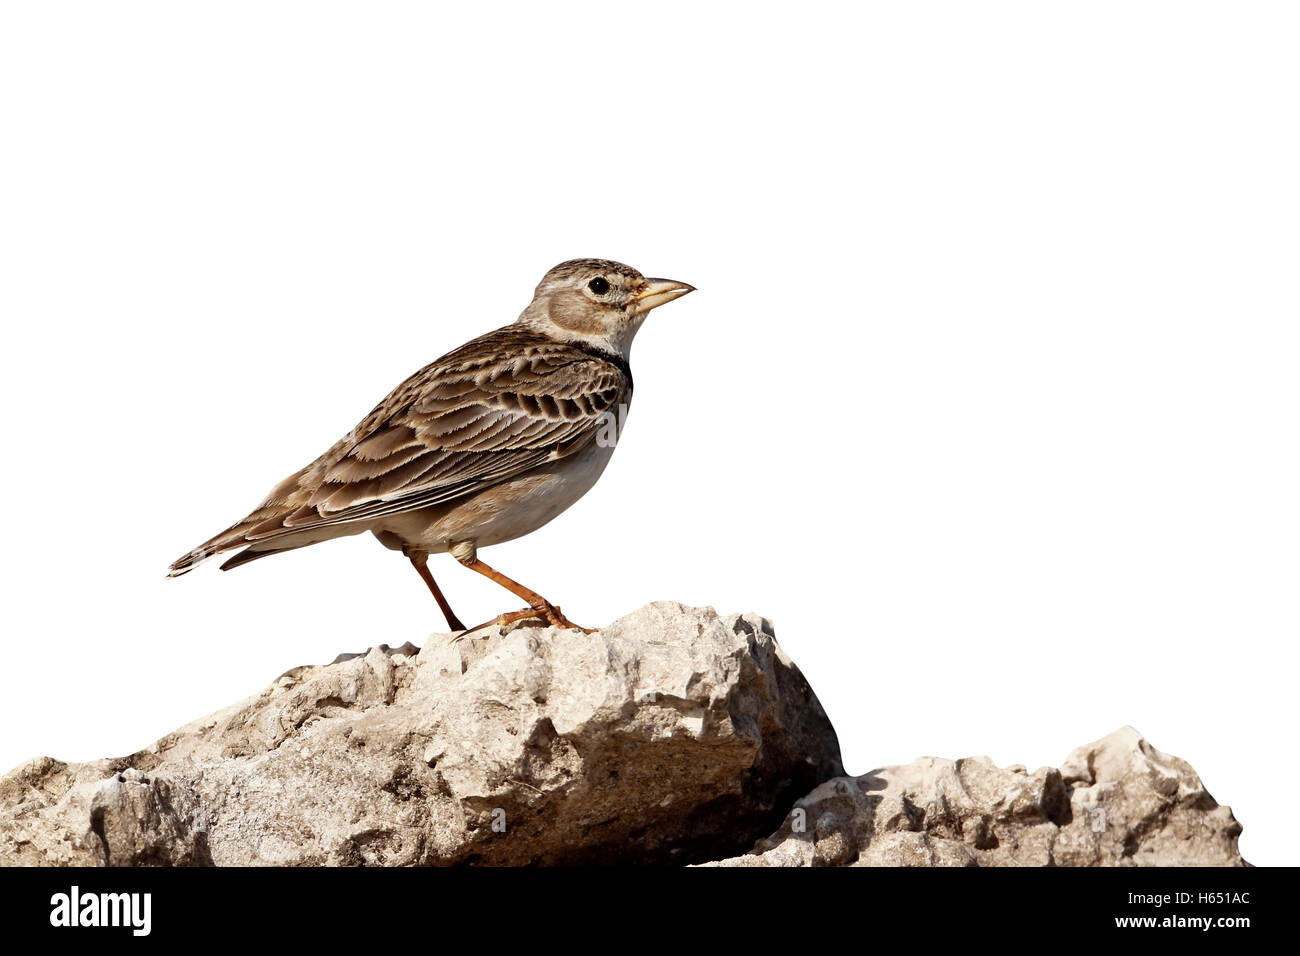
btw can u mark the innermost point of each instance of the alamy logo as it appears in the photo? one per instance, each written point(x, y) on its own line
point(102, 909)
point(609, 425)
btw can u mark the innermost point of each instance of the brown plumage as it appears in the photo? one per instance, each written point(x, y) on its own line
point(485, 444)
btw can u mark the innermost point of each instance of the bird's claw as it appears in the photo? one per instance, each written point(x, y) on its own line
point(547, 613)
point(556, 617)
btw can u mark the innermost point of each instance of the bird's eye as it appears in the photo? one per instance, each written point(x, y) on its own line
point(598, 285)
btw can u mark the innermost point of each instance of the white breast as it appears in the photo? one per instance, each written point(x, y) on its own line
point(542, 495)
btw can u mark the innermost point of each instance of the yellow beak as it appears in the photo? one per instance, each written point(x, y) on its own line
point(659, 291)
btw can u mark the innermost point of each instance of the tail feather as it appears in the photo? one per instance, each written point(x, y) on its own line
point(209, 549)
point(228, 540)
point(267, 520)
point(252, 554)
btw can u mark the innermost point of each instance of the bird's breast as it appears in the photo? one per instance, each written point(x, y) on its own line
point(507, 510)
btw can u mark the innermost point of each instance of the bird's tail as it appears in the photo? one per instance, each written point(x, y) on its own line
point(229, 539)
point(266, 520)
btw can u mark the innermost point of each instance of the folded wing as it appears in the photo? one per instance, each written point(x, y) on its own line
point(499, 406)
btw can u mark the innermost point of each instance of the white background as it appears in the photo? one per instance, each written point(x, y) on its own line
point(987, 398)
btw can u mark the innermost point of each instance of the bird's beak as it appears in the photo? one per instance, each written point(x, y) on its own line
point(658, 291)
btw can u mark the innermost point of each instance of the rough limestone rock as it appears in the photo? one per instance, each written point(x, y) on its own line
point(1116, 802)
point(672, 736)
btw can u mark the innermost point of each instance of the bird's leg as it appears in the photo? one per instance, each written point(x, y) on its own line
point(421, 565)
point(538, 606)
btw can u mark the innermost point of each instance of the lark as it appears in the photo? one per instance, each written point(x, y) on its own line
point(484, 445)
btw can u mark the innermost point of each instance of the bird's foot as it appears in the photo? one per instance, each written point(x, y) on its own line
point(502, 620)
point(547, 613)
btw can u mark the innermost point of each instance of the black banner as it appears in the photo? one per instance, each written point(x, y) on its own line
point(337, 905)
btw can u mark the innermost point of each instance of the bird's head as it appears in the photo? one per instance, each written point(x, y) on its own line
point(597, 301)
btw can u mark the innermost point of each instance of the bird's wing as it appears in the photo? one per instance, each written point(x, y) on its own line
point(501, 405)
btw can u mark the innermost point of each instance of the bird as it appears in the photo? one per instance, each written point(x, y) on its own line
point(484, 445)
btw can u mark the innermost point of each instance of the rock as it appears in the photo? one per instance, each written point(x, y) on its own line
point(53, 813)
point(1115, 802)
point(672, 736)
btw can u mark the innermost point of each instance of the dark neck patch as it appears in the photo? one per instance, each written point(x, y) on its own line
point(613, 358)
